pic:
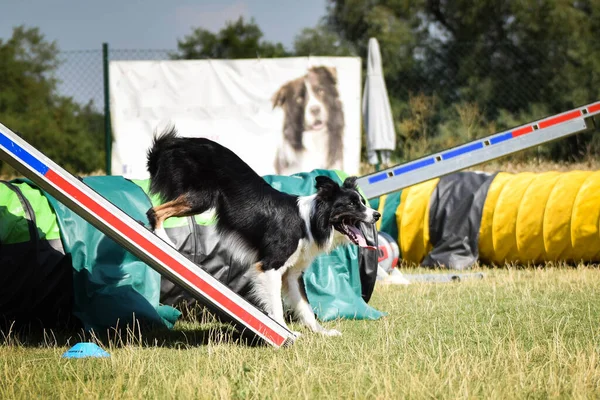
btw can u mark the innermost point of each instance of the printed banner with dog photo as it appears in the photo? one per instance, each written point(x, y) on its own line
point(281, 116)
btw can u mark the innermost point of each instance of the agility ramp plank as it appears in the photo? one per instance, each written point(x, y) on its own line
point(132, 235)
point(478, 151)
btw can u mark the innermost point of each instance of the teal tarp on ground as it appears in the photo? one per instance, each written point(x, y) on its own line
point(110, 284)
point(332, 281)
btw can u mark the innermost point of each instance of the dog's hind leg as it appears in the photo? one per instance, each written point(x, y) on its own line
point(294, 295)
point(183, 206)
point(176, 208)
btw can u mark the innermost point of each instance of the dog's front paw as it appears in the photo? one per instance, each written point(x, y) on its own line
point(331, 332)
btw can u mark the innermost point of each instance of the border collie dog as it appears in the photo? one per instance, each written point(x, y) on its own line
point(313, 127)
point(275, 234)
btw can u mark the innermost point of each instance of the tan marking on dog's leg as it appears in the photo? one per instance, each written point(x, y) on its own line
point(174, 208)
point(259, 267)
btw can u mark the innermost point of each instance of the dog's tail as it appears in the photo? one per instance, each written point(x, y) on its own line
point(161, 142)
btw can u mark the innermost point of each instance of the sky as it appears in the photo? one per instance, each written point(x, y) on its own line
point(153, 24)
point(78, 25)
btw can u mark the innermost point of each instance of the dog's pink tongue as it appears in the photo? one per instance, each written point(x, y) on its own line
point(360, 238)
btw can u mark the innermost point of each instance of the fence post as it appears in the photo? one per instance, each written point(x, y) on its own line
point(107, 125)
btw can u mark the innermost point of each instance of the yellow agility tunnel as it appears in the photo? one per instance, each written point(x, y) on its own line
point(527, 217)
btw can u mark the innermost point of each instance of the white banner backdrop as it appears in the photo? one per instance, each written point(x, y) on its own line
point(281, 115)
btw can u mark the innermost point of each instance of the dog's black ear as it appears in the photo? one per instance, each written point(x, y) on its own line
point(350, 182)
point(279, 97)
point(333, 72)
point(326, 187)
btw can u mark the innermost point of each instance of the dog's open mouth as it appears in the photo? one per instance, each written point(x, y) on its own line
point(353, 233)
point(317, 125)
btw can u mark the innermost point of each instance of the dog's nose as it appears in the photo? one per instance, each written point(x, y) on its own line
point(315, 110)
point(376, 216)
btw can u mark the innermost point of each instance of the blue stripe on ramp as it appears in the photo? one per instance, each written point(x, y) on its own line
point(416, 165)
point(22, 154)
point(501, 138)
point(462, 150)
point(377, 178)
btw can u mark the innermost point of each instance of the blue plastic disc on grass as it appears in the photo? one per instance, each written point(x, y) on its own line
point(84, 350)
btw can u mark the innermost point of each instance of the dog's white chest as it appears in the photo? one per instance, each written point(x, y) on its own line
point(315, 154)
point(316, 142)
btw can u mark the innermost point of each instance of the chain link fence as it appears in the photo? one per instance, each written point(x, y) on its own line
point(81, 77)
point(449, 96)
point(81, 74)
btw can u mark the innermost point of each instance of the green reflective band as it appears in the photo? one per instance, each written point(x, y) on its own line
point(45, 219)
point(14, 227)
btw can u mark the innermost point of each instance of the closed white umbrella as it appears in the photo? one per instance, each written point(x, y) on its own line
point(377, 113)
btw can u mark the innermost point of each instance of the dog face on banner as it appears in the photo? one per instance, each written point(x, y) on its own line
point(313, 122)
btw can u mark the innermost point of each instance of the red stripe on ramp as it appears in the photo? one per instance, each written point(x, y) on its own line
point(522, 131)
point(594, 108)
point(561, 118)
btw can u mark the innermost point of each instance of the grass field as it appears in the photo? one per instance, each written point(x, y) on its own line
point(516, 333)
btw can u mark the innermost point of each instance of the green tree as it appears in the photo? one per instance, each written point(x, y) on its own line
point(237, 39)
point(523, 59)
point(397, 25)
point(65, 131)
point(321, 41)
